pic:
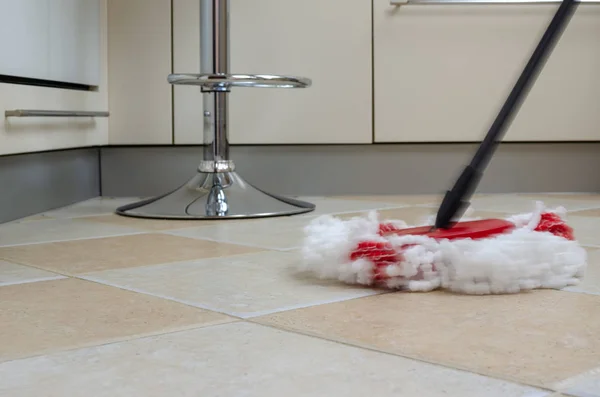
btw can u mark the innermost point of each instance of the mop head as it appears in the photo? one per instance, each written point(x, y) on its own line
point(539, 252)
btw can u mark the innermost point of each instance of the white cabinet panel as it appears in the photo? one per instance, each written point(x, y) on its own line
point(56, 40)
point(327, 41)
point(23, 135)
point(74, 41)
point(442, 72)
point(139, 62)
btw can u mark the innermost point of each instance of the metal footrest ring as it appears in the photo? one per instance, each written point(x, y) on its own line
point(223, 82)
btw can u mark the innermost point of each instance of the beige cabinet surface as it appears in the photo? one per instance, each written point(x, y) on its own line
point(327, 41)
point(24, 134)
point(442, 72)
point(139, 62)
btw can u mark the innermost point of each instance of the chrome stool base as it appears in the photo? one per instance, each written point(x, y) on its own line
point(217, 191)
point(218, 195)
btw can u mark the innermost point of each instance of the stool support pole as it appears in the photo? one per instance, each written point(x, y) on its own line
point(217, 191)
point(214, 59)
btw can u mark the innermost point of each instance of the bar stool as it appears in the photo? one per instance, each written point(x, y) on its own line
point(217, 191)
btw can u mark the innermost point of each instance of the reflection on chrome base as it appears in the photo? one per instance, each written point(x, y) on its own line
point(223, 195)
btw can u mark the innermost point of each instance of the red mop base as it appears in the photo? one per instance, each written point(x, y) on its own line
point(381, 254)
point(472, 229)
point(492, 256)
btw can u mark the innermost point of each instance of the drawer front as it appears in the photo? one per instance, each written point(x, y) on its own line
point(327, 41)
point(57, 40)
point(443, 72)
point(32, 134)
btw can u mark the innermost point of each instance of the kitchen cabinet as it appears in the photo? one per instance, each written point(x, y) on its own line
point(55, 40)
point(62, 48)
point(327, 41)
point(442, 72)
point(140, 98)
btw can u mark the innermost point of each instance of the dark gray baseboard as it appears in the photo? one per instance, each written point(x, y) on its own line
point(360, 169)
point(37, 182)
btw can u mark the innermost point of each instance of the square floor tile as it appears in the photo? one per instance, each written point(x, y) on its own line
point(419, 215)
point(63, 314)
point(82, 256)
point(278, 233)
point(156, 224)
point(569, 196)
point(336, 206)
point(429, 200)
point(594, 213)
point(586, 229)
point(538, 338)
point(95, 206)
point(240, 359)
point(590, 283)
point(584, 385)
point(34, 232)
point(520, 204)
point(11, 273)
point(243, 285)
point(406, 199)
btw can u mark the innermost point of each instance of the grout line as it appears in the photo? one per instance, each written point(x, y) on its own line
point(352, 344)
point(33, 280)
point(224, 241)
point(73, 239)
point(142, 292)
point(124, 339)
point(239, 315)
point(564, 385)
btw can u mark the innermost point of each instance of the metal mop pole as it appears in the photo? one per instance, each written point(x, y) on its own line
point(217, 191)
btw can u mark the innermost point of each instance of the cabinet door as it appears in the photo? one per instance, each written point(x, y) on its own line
point(443, 72)
point(139, 38)
point(22, 135)
point(327, 41)
point(57, 40)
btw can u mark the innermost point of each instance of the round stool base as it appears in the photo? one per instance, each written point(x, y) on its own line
point(223, 195)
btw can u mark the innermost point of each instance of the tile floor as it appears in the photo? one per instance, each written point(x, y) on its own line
point(93, 304)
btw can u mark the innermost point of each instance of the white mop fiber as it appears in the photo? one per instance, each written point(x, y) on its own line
point(520, 260)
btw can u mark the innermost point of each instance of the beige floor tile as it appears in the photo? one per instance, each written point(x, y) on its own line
point(419, 215)
point(278, 233)
point(520, 204)
point(288, 233)
point(63, 314)
point(408, 199)
point(568, 196)
point(35, 232)
point(240, 359)
point(590, 283)
point(583, 385)
point(11, 273)
point(155, 224)
point(595, 213)
point(537, 338)
point(332, 205)
point(82, 256)
point(95, 206)
point(586, 229)
point(243, 286)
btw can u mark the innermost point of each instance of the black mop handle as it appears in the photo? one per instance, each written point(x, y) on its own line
point(456, 200)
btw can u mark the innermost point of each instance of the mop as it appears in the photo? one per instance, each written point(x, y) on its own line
point(477, 256)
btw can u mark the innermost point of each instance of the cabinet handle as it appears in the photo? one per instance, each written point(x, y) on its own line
point(441, 2)
point(52, 113)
